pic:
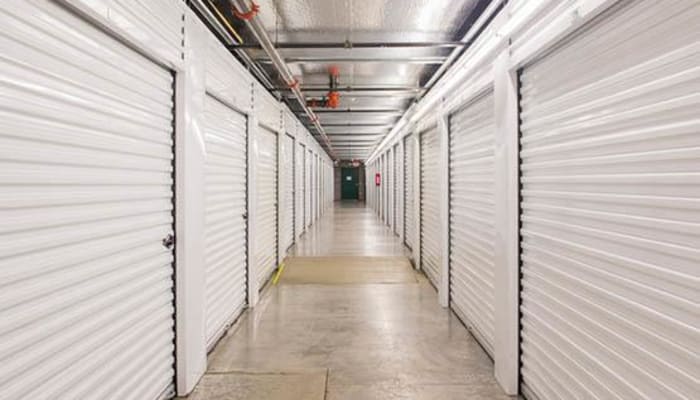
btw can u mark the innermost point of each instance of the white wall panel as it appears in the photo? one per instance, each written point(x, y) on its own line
point(226, 78)
point(267, 108)
point(86, 179)
point(155, 26)
point(430, 226)
point(611, 208)
point(225, 209)
point(266, 205)
point(472, 216)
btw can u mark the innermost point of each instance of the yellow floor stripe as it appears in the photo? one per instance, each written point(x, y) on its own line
point(278, 274)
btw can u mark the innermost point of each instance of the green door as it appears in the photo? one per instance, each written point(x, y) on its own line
point(349, 183)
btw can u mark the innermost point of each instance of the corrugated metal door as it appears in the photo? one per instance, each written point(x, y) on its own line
point(472, 216)
point(266, 205)
point(429, 204)
point(301, 185)
point(316, 187)
point(611, 208)
point(409, 223)
point(390, 188)
point(86, 183)
point(225, 207)
point(309, 188)
point(287, 230)
point(383, 187)
point(395, 187)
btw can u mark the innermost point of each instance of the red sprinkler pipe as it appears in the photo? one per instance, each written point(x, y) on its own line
point(247, 16)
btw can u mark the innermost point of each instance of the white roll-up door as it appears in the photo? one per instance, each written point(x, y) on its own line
point(314, 185)
point(318, 186)
point(301, 189)
point(389, 188)
point(429, 204)
point(384, 184)
point(308, 188)
point(395, 187)
point(472, 216)
point(409, 223)
point(266, 205)
point(225, 207)
point(611, 208)
point(86, 204)
point(287, 229)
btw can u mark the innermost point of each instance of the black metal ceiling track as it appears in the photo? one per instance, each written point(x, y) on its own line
point(457, 52)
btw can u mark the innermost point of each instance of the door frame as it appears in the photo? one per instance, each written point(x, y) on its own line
point(356, 177)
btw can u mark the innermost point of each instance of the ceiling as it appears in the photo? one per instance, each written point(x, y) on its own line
point(388, 54)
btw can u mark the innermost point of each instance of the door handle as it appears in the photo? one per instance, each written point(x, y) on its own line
point(169, 242)
point(244, 215)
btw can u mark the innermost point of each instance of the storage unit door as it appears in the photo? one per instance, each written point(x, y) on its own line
point(314, 193)
point(86, 203)
point(225, 207)
point(301, 185)
point(611, 208)
point(429, 204)
point(309, 188)
point(472, 216)
point(390, 189)
point(287, 229)
point(266, 205)
point(385, 182)
point(395, 187)
point(409, 223)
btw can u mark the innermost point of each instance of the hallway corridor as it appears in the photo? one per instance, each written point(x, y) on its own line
point(376, 333)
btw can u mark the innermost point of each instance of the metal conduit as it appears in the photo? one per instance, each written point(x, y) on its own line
point(278, 62)
point(215, 21)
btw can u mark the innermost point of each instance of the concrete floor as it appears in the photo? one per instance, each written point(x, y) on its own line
point(340, 340)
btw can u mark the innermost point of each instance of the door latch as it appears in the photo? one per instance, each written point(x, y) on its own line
point(169, 242)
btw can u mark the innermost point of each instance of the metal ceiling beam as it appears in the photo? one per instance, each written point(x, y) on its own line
point(353, 140)
point(358, 110)
point(320, 88)
point(401, 60)
point(276, 59)
point(351, 125)
point(356, 134)
point(361, 136)
point(355, 45)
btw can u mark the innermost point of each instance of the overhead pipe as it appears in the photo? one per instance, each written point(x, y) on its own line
point(332, 98)
point(282, 69)
point(219, 23)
